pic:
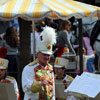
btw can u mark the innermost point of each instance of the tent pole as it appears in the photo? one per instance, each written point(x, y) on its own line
point(34, 52)
point(80, 46)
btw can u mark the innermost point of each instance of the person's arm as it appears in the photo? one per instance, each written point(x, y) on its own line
point(16, 88)
point(28, 81)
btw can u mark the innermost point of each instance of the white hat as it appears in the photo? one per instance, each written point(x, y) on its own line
point(49, 38)
point(45, 48)
point(60, 62)
point(3, 63)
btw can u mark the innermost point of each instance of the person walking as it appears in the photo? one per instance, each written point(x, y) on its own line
point(89, 52)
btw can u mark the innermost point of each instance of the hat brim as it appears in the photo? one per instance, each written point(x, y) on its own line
point(46, 52)
point(58, 66)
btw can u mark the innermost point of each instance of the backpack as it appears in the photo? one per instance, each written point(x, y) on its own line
point(95, 32)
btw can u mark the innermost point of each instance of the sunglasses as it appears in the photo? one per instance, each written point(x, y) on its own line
point(69, 24)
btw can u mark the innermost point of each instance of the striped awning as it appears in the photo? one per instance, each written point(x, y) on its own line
point(38, 9)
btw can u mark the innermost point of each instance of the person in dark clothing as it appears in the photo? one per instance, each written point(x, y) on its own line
point(11, 41)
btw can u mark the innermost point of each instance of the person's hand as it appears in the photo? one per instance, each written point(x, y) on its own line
point(66, 50)
point(45, 82)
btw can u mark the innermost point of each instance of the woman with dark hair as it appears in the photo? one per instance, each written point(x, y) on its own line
point(64, 45)
point(11, 39)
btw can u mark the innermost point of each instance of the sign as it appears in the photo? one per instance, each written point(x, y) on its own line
point(86, 85)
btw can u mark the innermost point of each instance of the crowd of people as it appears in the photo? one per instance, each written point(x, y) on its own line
point(40, 79)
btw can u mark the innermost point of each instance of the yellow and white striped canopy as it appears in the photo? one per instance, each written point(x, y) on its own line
point(38, 9)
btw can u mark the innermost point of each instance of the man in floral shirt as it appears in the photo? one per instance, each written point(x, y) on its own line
point(38, 76)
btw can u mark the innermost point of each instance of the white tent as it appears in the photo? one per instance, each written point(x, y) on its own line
point(39, 9)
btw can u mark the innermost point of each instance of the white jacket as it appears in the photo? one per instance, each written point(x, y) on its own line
point(28, 77)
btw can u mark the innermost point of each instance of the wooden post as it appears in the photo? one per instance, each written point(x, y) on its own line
point(24, 49)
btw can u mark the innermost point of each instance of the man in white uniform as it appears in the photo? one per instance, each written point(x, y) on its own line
point(38, 76)
point(62, 80)
point(4, 78)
